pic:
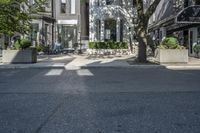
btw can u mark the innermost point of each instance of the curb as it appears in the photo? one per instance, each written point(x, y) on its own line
point(73, 67)
point(192, 67)
point(31, 67)
point(130, 66)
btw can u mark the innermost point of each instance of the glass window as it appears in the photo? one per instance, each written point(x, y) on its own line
point(98, 29)
point(197, 2)
point(97, 3)
point(109, 2)
point(73, 7)
point(110, 30)
point(198, 34)
point(63, 6)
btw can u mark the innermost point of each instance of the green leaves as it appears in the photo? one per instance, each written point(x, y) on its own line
point(108, 45)
point(15, 15)
point(22, 44)
point(196, 49)
point(170, 43)
point(12, 18)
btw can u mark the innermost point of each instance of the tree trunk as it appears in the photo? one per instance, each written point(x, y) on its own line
point(141, 37)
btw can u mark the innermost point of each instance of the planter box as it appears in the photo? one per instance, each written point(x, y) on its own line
point(171, 55)
point(108, 51)
point(19, 56)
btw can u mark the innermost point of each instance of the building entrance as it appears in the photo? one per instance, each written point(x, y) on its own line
point(67, 36)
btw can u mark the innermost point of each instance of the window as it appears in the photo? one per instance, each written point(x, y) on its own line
point(198, 34)
point(63, 6)
point(97, 3)
point(109, 2)
point(98, 29)
point(72, 6)
point(178, 5)
point(186, 3)
point(197, 2)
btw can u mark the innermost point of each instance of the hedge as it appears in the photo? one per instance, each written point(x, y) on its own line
point(108, 45)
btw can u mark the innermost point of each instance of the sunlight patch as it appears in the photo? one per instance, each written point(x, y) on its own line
point(54, 72)
point(84, 72)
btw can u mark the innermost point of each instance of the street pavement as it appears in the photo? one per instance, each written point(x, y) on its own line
point(99, 100)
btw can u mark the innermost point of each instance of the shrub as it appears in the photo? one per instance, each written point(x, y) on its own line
point(124, 45)
point(108, 45)
point(41, 48)
point(92, 45)
point(22, 44)
point(196, 49)
point(170, 43)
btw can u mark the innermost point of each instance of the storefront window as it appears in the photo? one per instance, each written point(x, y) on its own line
point(67, 36)
point(34, 33)
point(198, 35)
point(197, 2)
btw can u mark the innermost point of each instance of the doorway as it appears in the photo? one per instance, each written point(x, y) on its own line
point(67, 36)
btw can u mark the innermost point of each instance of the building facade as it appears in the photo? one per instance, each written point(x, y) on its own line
point(42, 26)
point(111, 20)
point(179, 18)
point(58, 22)
point(68, 22)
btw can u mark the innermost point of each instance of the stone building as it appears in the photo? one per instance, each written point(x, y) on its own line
point(111, 20)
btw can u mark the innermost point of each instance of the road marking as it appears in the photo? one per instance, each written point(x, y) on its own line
point(54, 72)
point(84, 72)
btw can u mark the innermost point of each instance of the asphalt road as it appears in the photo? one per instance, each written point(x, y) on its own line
point(99, 100)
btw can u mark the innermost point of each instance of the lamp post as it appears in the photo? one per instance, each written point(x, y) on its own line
point(52, 15)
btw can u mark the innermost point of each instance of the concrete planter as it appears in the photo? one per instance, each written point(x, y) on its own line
point(19, 56)
point(171, 55)
point(108, 51)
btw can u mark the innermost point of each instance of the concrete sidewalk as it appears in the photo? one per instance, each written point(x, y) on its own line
point(43, 61)
point(72, 62)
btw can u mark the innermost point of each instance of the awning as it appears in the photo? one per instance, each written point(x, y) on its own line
point(185, 19)
point(189, 15)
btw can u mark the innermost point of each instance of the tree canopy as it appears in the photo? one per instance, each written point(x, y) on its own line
point(15, 15)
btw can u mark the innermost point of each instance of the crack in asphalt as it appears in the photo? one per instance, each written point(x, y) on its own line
point(49, 117)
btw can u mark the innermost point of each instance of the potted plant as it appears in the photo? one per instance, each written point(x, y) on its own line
point(197, 50)
point(20, 53)
point(171, 52)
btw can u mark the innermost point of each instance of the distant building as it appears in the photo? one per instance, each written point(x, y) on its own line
point(60, 21)
point(111, 20)
point(68, 20)
point(43, 24)
point(179, 18)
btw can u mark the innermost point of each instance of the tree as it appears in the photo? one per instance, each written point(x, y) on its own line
point(15, 16)
point(12, 18)
point(141, 28)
